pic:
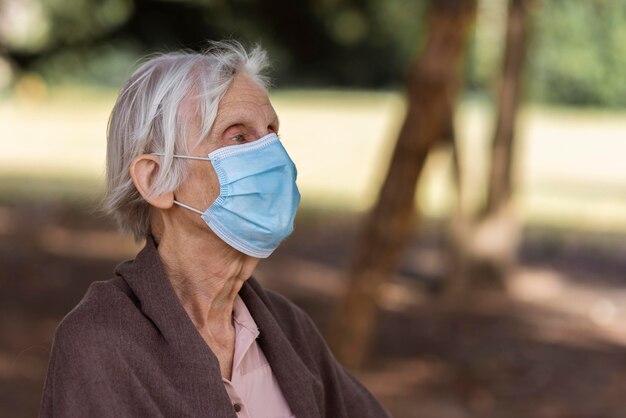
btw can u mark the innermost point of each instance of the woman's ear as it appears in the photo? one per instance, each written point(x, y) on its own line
point(143, 171)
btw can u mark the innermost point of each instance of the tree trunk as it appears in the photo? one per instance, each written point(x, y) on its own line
point(485, 250)
point(500, 178)
point(432, 86)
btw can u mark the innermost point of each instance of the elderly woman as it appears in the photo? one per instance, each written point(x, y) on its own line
point(195, 166)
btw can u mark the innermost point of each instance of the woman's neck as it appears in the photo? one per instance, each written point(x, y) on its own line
point(206, 275)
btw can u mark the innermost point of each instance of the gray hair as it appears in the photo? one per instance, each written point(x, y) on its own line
point(146, 118)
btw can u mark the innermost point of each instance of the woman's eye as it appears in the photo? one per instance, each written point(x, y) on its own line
point(238, 138)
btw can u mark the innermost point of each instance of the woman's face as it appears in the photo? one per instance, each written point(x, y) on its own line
point(245, 114)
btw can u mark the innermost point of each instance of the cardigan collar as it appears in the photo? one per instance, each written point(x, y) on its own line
point(158, 301)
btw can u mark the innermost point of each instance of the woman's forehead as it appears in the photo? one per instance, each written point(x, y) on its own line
point(245, 93)
point(245, 109)
point(244, 87)
point(245, 101)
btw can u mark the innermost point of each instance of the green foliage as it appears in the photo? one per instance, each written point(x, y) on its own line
point(102, 64)
point(579, 53)
point(77, 21)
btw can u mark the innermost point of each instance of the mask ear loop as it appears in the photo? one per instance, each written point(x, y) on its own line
point(187, 207)
point(188, 157)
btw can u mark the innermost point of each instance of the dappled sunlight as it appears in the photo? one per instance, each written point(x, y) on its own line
point(602, 313)
point(495, 355)
point(7, 222)
point(301, 276)
point(536, 285)
point(87, 244)
point(399, 296)
point(447, 358)
point(429, 262)
point(30, 364)
point(399, 378)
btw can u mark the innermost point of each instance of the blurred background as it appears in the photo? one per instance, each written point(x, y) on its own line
point(460, 160)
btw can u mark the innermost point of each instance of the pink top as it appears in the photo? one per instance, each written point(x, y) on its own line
point(253, 389)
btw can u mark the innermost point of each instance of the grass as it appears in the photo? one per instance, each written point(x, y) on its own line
point(569, 161)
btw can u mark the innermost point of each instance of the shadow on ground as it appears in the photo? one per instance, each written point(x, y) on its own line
point(552, 348)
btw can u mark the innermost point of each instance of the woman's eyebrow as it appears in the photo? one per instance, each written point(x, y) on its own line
point(220, 126)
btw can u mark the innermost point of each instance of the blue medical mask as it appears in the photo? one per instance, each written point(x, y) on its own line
point(258, 195)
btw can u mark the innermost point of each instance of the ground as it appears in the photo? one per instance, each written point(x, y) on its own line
point(552, 347)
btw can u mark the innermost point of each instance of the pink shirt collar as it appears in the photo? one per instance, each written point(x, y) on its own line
point(253, 388)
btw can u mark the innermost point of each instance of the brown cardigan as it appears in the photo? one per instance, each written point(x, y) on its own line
point(129, 349)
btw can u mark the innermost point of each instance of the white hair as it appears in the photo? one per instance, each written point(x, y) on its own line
point(147, 118)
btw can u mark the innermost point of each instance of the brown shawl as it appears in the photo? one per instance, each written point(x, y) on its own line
point(130, 349)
